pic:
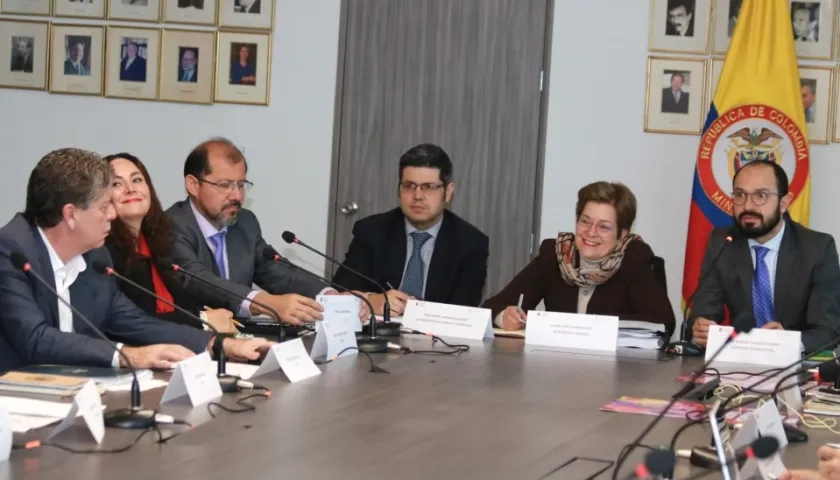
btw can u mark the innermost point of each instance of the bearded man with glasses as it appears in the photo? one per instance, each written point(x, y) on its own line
point(783, 274)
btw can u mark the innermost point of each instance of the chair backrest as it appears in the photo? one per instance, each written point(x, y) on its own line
point(658, 266)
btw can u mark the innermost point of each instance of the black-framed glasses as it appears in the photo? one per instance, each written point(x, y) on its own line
point(759, 197)
point(411, 187)
point(228, 186)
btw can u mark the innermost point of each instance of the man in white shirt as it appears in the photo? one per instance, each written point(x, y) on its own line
point(63, 229)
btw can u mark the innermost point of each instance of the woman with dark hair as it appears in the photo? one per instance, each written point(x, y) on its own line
point(140, 244)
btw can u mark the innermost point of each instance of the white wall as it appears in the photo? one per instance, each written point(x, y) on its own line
point(288, 144)
point(595, 132)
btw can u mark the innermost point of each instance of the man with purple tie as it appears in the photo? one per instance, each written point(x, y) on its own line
point(784, 274)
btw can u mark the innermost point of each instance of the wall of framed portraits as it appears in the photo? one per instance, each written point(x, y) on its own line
point(611, 62)
point(287, 142)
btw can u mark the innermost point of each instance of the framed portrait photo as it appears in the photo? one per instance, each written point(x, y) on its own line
point(675, 101)
point(243, 68)
point(136, 10)
point(817, 87)
point(726, 14)
point(836, 134)
point(132, 63)
point(79, 8)
point(197, 12)
point(25, 7)
point(813, 28)
point(249, 14)
point(186, 66)
point(679, 25)
point(77, 54)
point(715, 67)
point(24, 51)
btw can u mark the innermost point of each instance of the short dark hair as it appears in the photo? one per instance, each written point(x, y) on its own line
point(782, 183)
point(198, 161)
point(688, 4)
point(64, 176)
point(428, 155)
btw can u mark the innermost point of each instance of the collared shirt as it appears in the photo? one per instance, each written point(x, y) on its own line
point(771, 257)
point(65, 274)
point(426, 250)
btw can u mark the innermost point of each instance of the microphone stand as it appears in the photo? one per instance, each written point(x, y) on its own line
point(365, 343)
point(388, 328)
point(229, 383)
point(134, 417)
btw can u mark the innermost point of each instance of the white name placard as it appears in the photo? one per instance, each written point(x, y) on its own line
point(341, 306)
point(194, 377)
point(455, 321)
point(764, 347)
point(764, 421)
point(335, 336)
point(291, 358)
point(572, 330)
point(88, 404)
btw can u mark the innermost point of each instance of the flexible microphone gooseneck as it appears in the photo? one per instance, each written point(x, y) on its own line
point(747, 320)
point(229, 383)
point(684, 347)
point(365, 343)
point(133, 417)
point(177, 268)
point(387, 328)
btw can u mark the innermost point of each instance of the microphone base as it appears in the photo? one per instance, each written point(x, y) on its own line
point(685, 349)
point(372, 345)
point(130, 418)
point(229, 383)
point(383, 329)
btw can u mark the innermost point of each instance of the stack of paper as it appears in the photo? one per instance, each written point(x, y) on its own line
point(644, 335)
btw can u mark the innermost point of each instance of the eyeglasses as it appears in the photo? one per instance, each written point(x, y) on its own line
point(760, 197)
point(228, 186)
point(603, 228)
point(411, 187)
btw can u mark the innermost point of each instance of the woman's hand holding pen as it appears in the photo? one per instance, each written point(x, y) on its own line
point(514, 318)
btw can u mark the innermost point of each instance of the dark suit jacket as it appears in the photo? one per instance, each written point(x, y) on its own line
point(457, 271)
point(806, 293)
point(140, 272)
point(29, 326)
point(246, 263)
point(69, 70)
point(633, 293)
point(19, 64)
point(671, 106)
point(136, 71)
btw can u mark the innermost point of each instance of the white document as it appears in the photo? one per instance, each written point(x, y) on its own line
point(292, 359)
point(6, 435)
point(442, 320)
point(194, 377)
point(335, 336)
point(572, 331)
point(88, 404)
point(764, 421)
point(341, 305)
point(764, 347)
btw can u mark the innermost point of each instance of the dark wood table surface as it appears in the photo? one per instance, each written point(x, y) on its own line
point(493, 412)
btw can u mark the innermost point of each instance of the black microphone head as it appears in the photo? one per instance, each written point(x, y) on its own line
point(100, 267)
point(660, 462)
point(828, 371)
point(270, 254)
point(19, 260)
point(765, 447)
point(744, 322)
point(289, 237)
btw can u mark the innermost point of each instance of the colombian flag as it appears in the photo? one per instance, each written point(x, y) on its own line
point(756, 114)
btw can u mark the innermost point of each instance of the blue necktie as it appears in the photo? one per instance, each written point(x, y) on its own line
point(761, 294)
point(219, 254)
point(414, 272)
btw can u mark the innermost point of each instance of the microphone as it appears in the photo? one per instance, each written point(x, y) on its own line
point(229, 383)
point(133, 417)
point(658, 463)
point(363, 343)
point(684, 347)
point(388, 328)
point(735, 332)
point(177, 268)
point(706, 457)
point(761, 448)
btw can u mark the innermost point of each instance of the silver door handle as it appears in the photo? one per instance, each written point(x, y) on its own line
point(350, 208)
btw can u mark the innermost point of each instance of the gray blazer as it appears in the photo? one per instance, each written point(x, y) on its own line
point(29, 326)
point(806, 289)
point(246, 263)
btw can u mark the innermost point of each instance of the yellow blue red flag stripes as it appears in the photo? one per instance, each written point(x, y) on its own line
point(756, 114)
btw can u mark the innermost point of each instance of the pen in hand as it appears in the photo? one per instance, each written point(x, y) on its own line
point(519, 306)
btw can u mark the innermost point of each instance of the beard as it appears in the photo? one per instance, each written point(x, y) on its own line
point(224, 219)
point(761, 228)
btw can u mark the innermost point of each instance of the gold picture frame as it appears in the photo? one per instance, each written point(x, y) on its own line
point(675, 97)
point(147, 11)
point(817, 89)
point(247, 14)
point(233, 77)
point(179, 50)
point(77, 59)
point(133, 59)
point(90, 9)
point(715, 68)
point(190, 12)
point(814, 23)
point(725, 16)
point(26, 7)
point(25, 64)
point(679, 26)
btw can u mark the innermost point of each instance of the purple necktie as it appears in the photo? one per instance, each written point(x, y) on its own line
point(762, 296)
point(219, 244)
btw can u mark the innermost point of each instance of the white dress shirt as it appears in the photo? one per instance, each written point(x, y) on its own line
point(65, 274)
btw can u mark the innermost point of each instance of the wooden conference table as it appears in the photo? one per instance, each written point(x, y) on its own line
point(492, 412)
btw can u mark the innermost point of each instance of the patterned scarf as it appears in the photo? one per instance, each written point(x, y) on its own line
point(599, 272)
